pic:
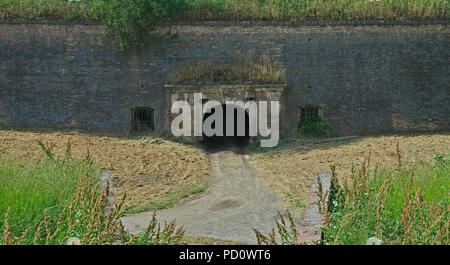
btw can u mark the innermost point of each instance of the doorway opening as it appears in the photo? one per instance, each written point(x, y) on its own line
point(228, 142)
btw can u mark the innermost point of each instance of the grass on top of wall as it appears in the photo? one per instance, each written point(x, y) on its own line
point(302, 10)
point(285, 10)
point(47, 9)
point(241, 72)
point(131, 21)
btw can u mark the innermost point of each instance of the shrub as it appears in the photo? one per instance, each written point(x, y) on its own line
point(313, 127)
point(132, 21)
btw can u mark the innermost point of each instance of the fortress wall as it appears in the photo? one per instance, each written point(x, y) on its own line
point(366, 79)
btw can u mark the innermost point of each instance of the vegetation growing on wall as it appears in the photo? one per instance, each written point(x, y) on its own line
point(245, 71)
point(300, 10)
point(287, 10)
point(47, 9)
point(130, 21)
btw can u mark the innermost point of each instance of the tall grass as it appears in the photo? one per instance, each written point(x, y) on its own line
point(286, 231)
point(31, 190)
point(60, 201)
point(382, 205)
point(300, 10)
point(245, 71)
point(402, 206)
point(47, 9)
point(286, 10)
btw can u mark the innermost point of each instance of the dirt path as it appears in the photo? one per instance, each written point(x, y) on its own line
point(235, 202)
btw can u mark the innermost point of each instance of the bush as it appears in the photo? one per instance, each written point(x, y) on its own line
point(313, 127)
point(132, 21)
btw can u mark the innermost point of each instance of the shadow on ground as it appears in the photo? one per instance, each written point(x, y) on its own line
point(236, 202)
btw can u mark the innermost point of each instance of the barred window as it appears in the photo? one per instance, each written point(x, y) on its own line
point(309, 112)
point(142, 119)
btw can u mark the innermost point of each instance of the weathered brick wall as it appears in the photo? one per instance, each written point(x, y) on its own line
point(366, 78)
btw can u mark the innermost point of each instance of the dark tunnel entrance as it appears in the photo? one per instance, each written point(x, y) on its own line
point(228, 142)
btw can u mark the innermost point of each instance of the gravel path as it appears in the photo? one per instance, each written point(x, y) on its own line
point(235, 202)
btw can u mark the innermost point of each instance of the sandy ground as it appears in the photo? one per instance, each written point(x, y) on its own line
point(236, 201)
point(154, 172)
point(289, 169)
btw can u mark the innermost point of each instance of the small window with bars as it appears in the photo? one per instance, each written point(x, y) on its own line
point(309, 112)
point(142, 119)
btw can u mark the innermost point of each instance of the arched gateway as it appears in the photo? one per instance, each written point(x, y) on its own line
point(224, 94)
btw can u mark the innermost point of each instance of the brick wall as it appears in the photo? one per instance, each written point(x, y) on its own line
point(366, 78)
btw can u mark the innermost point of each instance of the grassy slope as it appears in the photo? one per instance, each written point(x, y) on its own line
point(289, 168)
point(155, 173)
point(58, 201)
point(292, 10)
